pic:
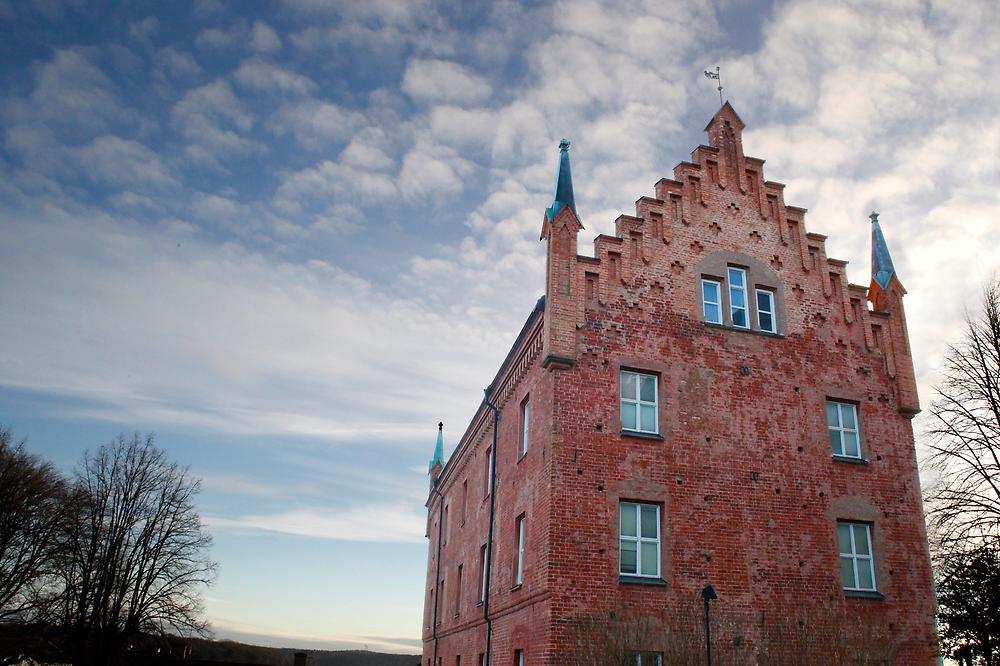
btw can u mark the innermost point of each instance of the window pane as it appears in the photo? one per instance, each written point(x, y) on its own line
point(740, 318)
point(648, 419)
point(649, 521)
point(865, 581)
point(847, 572)
point(764, 301)
point(710, 292)
point(835, 444)
point(738, 298)
point(628, 385)
point(628, 557)
point(851, 444)
point(844, 538)
point(765, 322)
point(832, 419)
point(861, 546)
point(847, 414)
point(628, 520)
point(735, 277)
point(647, 388)
point(628, 416)
point(712, 313)
point(649, 559)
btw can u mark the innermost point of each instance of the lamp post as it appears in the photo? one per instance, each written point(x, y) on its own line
point(708, 594)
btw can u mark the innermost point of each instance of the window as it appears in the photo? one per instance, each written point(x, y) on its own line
point(519, 573)
point(842, 427)
point(738, 298)
point(458, 592)
point(640, 539)
point(465, 499)
point(857, 569)
point(519, 658)
point(765, 311)
point(525, 418)
point(711, 298)
point(489, 471)
point(638, 402)
point(482, 574)
point(441, 599)
point(645, 659)
point(482, 659)
point(458, 660)
point(444, 528)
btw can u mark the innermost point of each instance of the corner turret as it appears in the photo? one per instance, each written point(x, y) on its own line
point(560, 227)
point(886, 296)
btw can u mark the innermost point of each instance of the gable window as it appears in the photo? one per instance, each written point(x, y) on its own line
point(765, 311)
point(638, 402)
point(842, 428)
point(711, 299)
point(519, 572)
point(640, 539)
point(519, 658)
point(525, 419)
point(738, 297)
point(857, 569)
point(645, 659)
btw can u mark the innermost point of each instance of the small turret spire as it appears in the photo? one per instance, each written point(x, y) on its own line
point(882, 268)
point(438, 458)
point(563, 196)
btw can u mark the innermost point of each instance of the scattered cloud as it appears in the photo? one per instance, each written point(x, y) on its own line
point(444, 81)
point(263, 38)
point(259, 75)
point(391, 523)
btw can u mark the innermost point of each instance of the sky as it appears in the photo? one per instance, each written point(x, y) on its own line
point(290, 237)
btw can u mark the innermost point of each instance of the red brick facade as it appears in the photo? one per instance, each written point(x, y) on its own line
point(749, 495)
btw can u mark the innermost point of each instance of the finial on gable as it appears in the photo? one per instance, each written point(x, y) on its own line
point(438, 459)
point(882, 268)
point(563, 196)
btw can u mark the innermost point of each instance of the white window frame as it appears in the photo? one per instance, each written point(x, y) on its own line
point(705, 302)
point(638, 539)
point(485, 583)
point(520, 657)
point(840, 428)
point(769, 311)
point(519, 574)
point(489, 471)
point(636, 402)
point(859, 559)
point(652, 658)
point(734, 288)
point(525, 419)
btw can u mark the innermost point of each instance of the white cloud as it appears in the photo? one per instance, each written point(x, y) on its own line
point(124, 162)
point(259, 75)
point(390, 523)
point(263, 38)
point(444, 81)
point(214, 122)
point(316, 124)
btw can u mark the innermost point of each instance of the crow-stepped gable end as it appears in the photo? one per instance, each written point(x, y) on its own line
point(705, 401)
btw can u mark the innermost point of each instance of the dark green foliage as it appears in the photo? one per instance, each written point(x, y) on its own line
point(969, 605)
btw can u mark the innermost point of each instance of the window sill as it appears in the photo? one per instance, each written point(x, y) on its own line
point(642, 580)
point(864, 594)
point(517, 587)
point(641, 435)
point(522, 457)
point(848, 459)
point(752, 331)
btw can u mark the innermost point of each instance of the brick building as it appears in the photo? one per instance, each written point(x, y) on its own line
point(705, 401)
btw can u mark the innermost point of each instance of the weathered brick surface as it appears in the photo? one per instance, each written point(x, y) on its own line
point(748, 490)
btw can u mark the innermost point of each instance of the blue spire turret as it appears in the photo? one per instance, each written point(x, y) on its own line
point(563, 196)
point(438, 458)
point(882, 268)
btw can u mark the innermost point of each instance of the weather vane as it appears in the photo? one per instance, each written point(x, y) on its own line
point(717, 75)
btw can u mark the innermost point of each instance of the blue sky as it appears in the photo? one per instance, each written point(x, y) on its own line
point(291, 237)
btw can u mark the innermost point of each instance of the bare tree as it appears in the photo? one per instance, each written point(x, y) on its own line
point(139, 555)
point(964, 501)
point(34, 513)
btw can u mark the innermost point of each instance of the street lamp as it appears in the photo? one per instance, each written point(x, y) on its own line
point(708, 594)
